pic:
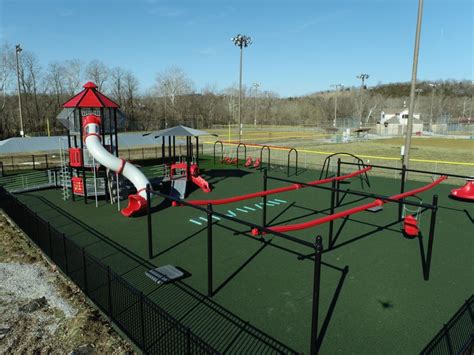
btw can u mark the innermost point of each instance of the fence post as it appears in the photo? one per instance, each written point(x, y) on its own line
point(264, 198)
point(209, 251)
point(109, 293)
point(85, 269)
point(34, 164)
point(65, 254)
point(50, 241)
point(142, 322)
point(149, 229)
point(434, 211)
point(448, 339)
point(188, 340)
point(318, 248)
point(46, 161)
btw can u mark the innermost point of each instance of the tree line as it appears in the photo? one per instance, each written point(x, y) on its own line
point(175, 99)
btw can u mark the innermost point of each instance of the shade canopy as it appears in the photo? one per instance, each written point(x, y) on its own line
point(181, 131)
point(90, 97)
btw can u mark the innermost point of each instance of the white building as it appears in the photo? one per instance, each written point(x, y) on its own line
point(401, 116)
point(394, 123)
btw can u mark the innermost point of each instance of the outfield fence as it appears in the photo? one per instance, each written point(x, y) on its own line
point(314, 160)
point(456, 336)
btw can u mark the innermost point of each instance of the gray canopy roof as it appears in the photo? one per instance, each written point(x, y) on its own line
point(181, 131)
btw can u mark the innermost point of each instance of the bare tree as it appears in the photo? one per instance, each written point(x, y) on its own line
point(118, 91)
point(72, 75)
point(98, 72)
point(173, 82)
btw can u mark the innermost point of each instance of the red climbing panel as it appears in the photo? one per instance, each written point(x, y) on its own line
point(75, 157)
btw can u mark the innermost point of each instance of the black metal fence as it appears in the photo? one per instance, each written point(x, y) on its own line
point(456, 336)
point(150, 327)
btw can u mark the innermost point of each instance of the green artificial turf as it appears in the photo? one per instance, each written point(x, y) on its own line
point(383, 306)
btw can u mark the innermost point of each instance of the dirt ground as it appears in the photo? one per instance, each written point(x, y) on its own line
point(41, 311)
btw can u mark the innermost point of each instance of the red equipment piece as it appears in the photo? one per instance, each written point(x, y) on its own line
point(465, 192)
point(77, 186)
point(75, 157)
point(275, 191)
point(136, 204)
point(248, 162)
point(351, 211)
point(199, 180)
point(410, 226)
point(257, 163)
point(203, 184)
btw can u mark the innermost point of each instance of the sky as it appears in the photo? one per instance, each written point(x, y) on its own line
point(299, 47)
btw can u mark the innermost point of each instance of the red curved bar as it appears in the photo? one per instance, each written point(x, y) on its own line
point(351, 211)
point(274, 191)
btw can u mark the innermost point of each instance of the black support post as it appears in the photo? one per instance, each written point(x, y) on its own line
point(318, 248)
point(150, 233)
point(85, 269)
point(264, 199)
point(109, 292)
point(209, 251)
point(331, 223)
point(65, 254)
point(34, 163)
point(434, 211)
point(46, 161)
point(142, 321)
point(338, 183)
point(402, 190)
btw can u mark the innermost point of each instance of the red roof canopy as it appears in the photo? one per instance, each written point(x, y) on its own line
point(90, 97)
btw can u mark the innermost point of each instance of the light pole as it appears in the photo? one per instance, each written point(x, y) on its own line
point(18, 49)
point(241, 41)
point(406, 155)
point(433, 87)
point(336, 86)
point(418, 92)
point(363, 77)
point(256, 86)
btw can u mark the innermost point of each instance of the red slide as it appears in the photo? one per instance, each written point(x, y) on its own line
point(351, 211)
point(136, 204)
point(203, 184)
point(274, 191)
point(198, 179)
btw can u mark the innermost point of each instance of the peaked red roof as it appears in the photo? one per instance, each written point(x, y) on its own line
point(90, 97)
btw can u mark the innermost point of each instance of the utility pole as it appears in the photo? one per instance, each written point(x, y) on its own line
point(433, 87)
point(363, 77)
point(406, 155)
point(336, 86)
point(18, 49)
point(256, 86)
point(242, 42)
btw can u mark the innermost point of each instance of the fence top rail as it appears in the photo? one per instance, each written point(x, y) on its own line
point(358, 193)
point(412, 170)
point(233, 219)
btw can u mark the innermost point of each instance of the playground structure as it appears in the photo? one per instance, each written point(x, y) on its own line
point(92, 121)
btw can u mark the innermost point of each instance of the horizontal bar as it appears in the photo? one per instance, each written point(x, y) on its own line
point(358, 193)
point(412, 170)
